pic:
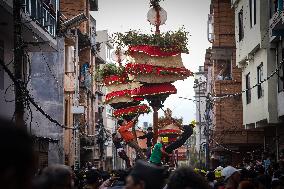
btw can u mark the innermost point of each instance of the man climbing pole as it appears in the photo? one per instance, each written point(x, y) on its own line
point(128, 136)
point(122, 154)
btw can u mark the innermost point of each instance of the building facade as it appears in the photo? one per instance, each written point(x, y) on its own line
point(259, 53)
point(229, 139)
point(200, 99)
point(43, 68)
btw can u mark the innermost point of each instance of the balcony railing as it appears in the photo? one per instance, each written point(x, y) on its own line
point(44, 15)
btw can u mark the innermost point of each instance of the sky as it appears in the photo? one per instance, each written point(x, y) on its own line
point(123, 15)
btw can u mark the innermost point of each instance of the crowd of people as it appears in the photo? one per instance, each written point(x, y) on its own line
point(18, 171)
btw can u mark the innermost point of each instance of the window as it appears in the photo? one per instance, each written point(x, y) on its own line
point(252, 12)
point(248, 90)
point(225, 70)
point(260, 89)
point(241, 25)
point(1, 69)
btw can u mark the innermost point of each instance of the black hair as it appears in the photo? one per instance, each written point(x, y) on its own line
point(119, 122)
point(210, 176)
point(185, 177)
point(17, 155)
point(55, 176)
point(149, 129)
point(93, 176)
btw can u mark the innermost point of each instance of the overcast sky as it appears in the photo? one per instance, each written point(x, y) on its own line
point(123, 15)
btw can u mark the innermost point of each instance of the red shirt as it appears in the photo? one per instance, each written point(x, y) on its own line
point(125, 133)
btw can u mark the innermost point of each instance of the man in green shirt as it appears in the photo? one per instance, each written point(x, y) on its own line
point(157, 153)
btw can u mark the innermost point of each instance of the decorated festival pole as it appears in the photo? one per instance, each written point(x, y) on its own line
point(155, 124)
point(156, 16)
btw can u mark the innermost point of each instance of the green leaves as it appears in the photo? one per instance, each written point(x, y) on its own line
point(110, 69)
point(169, 41)
point(155, 3)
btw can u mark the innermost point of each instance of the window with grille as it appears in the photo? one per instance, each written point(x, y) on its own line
point(241, 25)
point(248, 90)
point(252, 12)
point(260, 89)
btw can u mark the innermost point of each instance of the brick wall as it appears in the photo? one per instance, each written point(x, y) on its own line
point(224, 23)
point(71, 8)
point(228, 127)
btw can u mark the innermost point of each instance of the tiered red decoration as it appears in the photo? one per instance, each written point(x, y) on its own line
point(130, 111)
point(151, 64)
point(119, 93)
point(152, 89)
point(169, 127)
point(153, 50)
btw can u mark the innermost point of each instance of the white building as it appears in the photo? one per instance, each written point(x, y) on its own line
point(105, 49)
point(258, 51)
point(256, 59)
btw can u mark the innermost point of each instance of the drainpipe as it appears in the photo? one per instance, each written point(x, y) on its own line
point(277, 143)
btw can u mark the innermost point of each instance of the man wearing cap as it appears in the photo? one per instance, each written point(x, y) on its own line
point(232, 177)
point(128, 136)
point(149, 136)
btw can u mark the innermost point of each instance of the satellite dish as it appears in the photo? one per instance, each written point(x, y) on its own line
point(118, 56)
point(152, 16)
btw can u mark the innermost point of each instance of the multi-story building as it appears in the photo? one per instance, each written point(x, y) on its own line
point(84, 104)
point(276, 30)
point(109, 121)
point(258, 43)
point(43, 68)
point(200, 97)
point(229, 138)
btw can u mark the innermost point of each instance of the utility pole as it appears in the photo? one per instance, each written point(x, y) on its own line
point(199, 116)
point(197, 84)
point(18, 62)
point(207, 132)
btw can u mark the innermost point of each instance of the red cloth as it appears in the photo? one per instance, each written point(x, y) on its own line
point(152, 50)
point(131, 110)
point(125, 133)
point(115, 79)
point(145, 90)
point(137, 69)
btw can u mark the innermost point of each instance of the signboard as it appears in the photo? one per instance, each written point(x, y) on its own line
point(78, 109)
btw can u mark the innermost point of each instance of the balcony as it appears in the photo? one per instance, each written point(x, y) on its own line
point(93, 34)
point(99, 89)
point(276, 22)
point(44, 15)
point(210, 28)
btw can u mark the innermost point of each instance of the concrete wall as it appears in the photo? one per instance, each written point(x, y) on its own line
point(106, 47)
point(255, 110)
point(7, 108)
point(251, 51)
point(49, 95)
point(252, 35)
